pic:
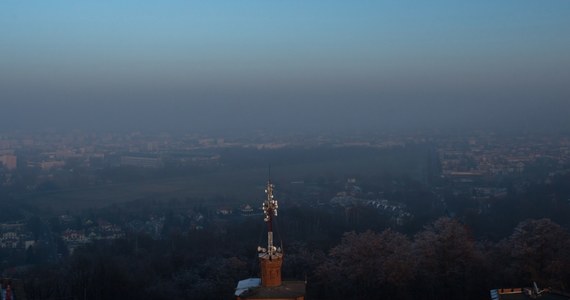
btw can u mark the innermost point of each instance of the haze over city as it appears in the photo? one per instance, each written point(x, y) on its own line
point(284, 149)
point(220, 66)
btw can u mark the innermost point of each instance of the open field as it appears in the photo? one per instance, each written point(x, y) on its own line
point(243, 185)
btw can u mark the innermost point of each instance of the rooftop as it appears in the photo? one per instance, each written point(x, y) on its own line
point(527, 293)
point(246, 284)
point(251, 289)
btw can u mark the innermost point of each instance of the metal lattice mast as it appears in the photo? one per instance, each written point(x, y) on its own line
point(270, 206)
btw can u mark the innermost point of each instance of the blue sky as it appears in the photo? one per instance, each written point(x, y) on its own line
point(226, 59)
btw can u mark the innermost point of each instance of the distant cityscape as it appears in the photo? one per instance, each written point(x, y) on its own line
point(472, 163)
point(63, 193)
point(483, 154)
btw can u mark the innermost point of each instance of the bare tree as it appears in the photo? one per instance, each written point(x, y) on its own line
point(369, 264)
point(538, 250)
point(448, 260)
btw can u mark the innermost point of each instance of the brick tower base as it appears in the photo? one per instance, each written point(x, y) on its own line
point(271, 271)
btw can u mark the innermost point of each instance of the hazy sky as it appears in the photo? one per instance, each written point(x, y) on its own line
point(357, 65)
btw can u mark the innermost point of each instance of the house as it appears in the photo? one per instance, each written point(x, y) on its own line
point(528, 293)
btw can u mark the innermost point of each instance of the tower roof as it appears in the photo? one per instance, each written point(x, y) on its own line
point(287, 290)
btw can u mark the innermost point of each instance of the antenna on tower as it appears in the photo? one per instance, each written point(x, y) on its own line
point(270, 206)
point(271, 257)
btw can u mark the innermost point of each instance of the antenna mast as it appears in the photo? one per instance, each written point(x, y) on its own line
point(270, 207)
point(271, 257)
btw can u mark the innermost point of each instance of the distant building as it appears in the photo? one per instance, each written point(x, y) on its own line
point(270, 285)
point(52, 164)
point(9, 161)
point(247, 210)
point(77, 236)
point(14, 236)
point(224, 211)
point(140, 161)
point(9, 240)
point(11, 289)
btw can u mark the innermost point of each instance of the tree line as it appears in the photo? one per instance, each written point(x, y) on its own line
point(441, 261)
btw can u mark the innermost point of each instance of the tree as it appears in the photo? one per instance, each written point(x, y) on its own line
point(537, 251)
point(368, 265)
point(449, 262)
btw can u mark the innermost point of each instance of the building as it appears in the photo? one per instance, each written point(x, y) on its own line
point(247, 210)
point(141, 161)
point(11, 289)
point(270, 285)
point(528, 293)
point(52, 164)
point(9, 161)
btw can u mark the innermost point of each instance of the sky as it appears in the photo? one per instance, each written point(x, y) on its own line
point(231, 66)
